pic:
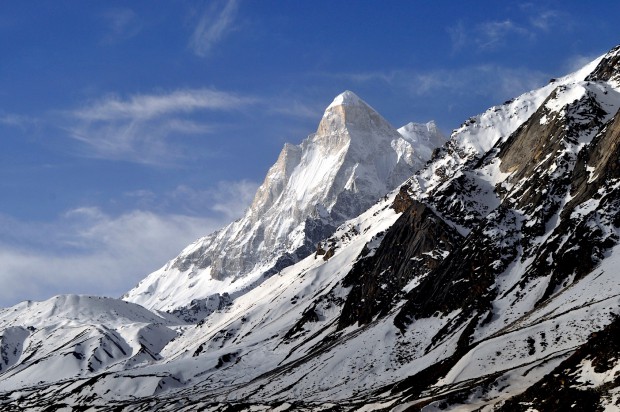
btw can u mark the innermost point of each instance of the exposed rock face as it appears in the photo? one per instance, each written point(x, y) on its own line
point(584, 382)
point(198, 309)
point(465, 277)
point(12, 345)
point(488, 281)
point(608, 68)
point(353, 159)
point(538, 216)
point(598, 161)
point(567, 148)
point(415, 245)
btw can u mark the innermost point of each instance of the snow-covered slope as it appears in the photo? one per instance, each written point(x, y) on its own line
point(424, 138)
point(353, 159)
point(71, 336)
point(487, 282)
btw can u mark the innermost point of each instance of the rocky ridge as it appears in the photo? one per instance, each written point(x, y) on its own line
point(353, 159)
point(485, 282)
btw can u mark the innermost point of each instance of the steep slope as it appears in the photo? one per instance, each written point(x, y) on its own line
point(354, 158)
point(424, 138)
point(71, 336)
point(486, 280)
point(476, 316)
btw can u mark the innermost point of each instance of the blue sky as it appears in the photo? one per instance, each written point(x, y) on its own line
point(129, 129)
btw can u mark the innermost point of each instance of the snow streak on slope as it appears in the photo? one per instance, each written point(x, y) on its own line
point(71, 336)
point(354, 158)
point(471, 287)
point(479, 134)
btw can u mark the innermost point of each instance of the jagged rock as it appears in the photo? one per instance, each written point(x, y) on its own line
point(609, 67)
point(403, 201)
point(490, 271)
point(413, 247)
point(464, 279)
point(353, 159)
point(569, 386)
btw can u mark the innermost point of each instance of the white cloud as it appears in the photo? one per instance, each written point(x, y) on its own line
point(458, 35)
point(89, 251)
point(540, 17)
point(16, 120)
point(493, 80)
point(364, 77)
point(144, 107)
point(138, 128)
point(295, 108)
point(231, 199)
point(214, 24)
point(226, 200)
point(546, 19)
point(577, 62)
point(134, 141)
point(121, 24)
point(492, 34)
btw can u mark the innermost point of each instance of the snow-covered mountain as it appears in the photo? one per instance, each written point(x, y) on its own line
point(487, 281)
point(353, 159)
point(72, 336)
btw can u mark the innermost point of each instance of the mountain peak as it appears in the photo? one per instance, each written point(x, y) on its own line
point(354, 158)
point(348, 112)
point(487, 280)
point(420, 128)
point(347, 98)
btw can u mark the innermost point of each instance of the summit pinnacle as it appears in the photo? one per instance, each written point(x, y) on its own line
point(353, 159)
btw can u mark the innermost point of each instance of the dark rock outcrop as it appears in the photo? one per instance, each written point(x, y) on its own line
point(562, 389)
point(464, 279)
point(413, 247)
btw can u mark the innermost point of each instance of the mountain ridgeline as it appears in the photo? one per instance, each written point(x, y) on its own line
point(376, 269)
point(353, 159)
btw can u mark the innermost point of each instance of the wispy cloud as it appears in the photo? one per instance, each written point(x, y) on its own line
point(576, 62)
point(296, 108)
point(121, 24)
point(101, 254)
point(484, 79)
point(215, 23)
point(143, 107)
point(138, 128)
point(494, 34)
point(228, 200)
point(546, 19)
point(486, 36)
point(364, 77)
point(87, 250)
point(488, 79)
point(458, 35)
point(16, 120)
point(133, 141)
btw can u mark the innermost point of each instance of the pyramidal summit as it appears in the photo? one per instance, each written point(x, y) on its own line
point(377, 269)
point(354, 158)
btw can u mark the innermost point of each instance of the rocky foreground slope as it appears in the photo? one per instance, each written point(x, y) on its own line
point(488, 281)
